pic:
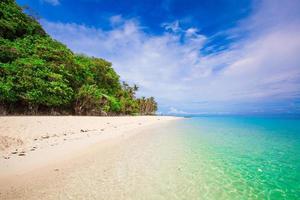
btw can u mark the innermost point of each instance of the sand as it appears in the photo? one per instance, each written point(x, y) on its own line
point(38, 151)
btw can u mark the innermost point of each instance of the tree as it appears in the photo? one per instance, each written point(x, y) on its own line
point(89, 98)
point(147, 106)
point(39, 74)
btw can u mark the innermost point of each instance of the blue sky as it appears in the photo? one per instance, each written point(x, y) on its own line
point(209, 56)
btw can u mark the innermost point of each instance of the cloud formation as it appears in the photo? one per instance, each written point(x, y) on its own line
point(261, 67)
point(175, 111)
point(52, 2)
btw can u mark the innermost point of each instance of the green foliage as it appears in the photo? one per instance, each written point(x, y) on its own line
point(97, 71)
point(114, 104)
point(14, 23)
point(38, 73)
point(8, 52)
point(89, 97)
point(31, 81)
point(6, 90)
point(147, 106)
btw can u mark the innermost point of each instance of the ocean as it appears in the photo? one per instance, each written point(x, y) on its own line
point(226, 157)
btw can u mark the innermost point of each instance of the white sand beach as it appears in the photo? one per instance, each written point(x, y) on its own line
point(37, 150)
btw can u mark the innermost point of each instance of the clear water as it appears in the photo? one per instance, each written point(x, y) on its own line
point(237, 158)
point(208, 158)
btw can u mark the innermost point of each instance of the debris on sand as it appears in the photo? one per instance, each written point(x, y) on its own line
point(7, 142)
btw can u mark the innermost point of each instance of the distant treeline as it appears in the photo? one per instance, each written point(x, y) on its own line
point(39, 75)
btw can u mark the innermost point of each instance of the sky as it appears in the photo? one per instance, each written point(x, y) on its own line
point(194, 57)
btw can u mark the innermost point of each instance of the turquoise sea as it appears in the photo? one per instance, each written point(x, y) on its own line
point(199, 158)
point(227, 157)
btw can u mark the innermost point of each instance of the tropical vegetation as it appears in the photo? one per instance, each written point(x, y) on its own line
point(39, 75)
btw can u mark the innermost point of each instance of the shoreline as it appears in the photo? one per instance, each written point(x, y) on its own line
point(30, 143)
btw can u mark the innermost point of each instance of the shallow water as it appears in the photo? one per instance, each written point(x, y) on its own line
point(238, 158)
point(215, 158)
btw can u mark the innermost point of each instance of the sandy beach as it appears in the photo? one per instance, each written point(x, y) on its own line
point(38, 151)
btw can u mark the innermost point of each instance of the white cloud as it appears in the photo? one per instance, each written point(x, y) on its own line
point(173, 26)
point(52, 2)
point(153, 62)
point(116, 20)
point(175, 111)
point(170, 67)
